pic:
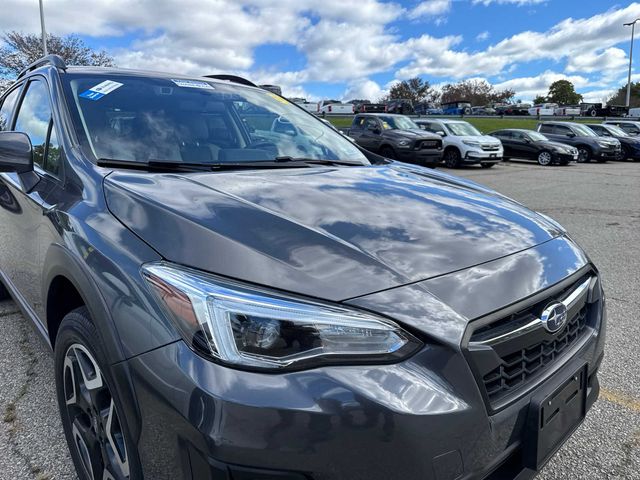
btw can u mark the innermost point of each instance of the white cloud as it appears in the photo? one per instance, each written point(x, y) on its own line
point(528, 87)
point(482, 36)
point(598, 96)
point(430, 8)
point(519, 3)
point(364, 88)
point(607, 60)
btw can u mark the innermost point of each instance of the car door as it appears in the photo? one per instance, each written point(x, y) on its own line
point(506, 138)
point(525, 147)
point(564, 134)
point(30, 225)
point(372, 134)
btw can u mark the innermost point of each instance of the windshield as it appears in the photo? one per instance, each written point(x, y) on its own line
point(583, 131)
point(536, 137)
point(462, 129)
point(144, 119)
point(617, 131)
point(398, 123)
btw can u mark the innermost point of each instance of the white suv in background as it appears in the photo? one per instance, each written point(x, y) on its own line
point(463, 143)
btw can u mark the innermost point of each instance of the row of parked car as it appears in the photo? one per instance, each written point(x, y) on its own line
point(463, 107)
point(430, 142)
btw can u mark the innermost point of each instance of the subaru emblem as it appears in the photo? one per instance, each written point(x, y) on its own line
point(554, 317)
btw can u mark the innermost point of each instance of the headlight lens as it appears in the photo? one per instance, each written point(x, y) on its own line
point(604, 144)
point(250, 328)
point(471, 143)
point(404, 143)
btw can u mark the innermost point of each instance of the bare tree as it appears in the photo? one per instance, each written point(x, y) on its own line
point(22, 49)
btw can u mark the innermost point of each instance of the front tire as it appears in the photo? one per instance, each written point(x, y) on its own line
point(584, 154)
point(624, 154)
point(4, 293)
point(97, 434)
point(452, 158)
point(388, 152)
point(545, 158)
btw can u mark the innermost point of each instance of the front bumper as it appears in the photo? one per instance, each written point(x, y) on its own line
point(564, 157)
point(421, 156)
point(423, 418)
point(607, 153)
point(481, 156)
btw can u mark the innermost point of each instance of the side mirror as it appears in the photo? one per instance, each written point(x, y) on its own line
point(16, 152)
point(527, 140)
point(377, 130)
point(571, 135)
point(441, 133)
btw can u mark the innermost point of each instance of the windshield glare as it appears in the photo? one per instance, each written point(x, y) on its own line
point(583, 131)
point(398, 123)
point(617, 131)
point(462, 129)
point(196, 121)
point(536, 137)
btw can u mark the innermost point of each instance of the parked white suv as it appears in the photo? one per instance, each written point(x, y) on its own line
point(463, 143)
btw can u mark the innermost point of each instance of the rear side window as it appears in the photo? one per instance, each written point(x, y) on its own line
point(35, 119)
point(599, 130)
point(6, 109)
point(629, 128)
point(561, 130)
point(546, 129)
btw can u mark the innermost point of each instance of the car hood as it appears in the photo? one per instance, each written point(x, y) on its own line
point(332, 233)
point(411, 134)
point(554, 145)
point(483, 139)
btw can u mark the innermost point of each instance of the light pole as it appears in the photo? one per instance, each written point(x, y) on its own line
point(633, 28)
point(44, 32)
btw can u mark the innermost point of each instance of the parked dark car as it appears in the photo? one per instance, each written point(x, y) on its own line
point(530, 145)
point(630, 144)
point(400, 106)
point(632, 127)
point(517, 109)
point(600, 110)
point(370, 108)
point(589, 145)
point(457, 107)
point(427, 109)
point(396, 137)
point(233, 304)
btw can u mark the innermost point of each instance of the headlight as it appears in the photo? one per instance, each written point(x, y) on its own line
point(604, 144)
point(471, 143)
point(404, 143)
point(250, 328)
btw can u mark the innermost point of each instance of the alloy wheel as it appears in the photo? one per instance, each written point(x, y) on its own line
point(544, 158)
point(584, 155)
point(451, 158)
point(95, 422)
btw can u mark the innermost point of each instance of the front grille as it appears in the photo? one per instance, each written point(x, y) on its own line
point(518, 367)
point(510, 353)
point(430, 144)
point(490, 148)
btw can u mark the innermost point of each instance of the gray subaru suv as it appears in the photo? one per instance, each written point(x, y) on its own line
point(233, 290)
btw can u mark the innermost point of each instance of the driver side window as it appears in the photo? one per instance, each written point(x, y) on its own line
point(36, 120)
point(371, 124)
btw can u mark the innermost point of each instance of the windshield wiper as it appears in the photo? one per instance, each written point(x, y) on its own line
point(171, 166)
point(315, 161)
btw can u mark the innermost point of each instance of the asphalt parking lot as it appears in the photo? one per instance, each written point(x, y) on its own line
point(600, 206)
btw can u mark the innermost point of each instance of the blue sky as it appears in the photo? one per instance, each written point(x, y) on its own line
point(356, 48)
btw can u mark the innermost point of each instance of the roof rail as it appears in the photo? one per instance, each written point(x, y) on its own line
point(233, 78)
point(53, 60)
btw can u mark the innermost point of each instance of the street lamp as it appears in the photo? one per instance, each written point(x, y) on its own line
point(44, 33)
point(633, 27)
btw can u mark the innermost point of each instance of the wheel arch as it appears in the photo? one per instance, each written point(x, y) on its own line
point(66, 286)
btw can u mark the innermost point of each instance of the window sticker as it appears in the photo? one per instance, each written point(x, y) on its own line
point(278, 98)
point(100, 90)
point(192, 84)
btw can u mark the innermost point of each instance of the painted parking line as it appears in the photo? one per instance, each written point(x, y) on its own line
point(620, 399)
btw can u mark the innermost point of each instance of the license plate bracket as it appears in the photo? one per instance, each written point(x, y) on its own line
point(554, 416)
